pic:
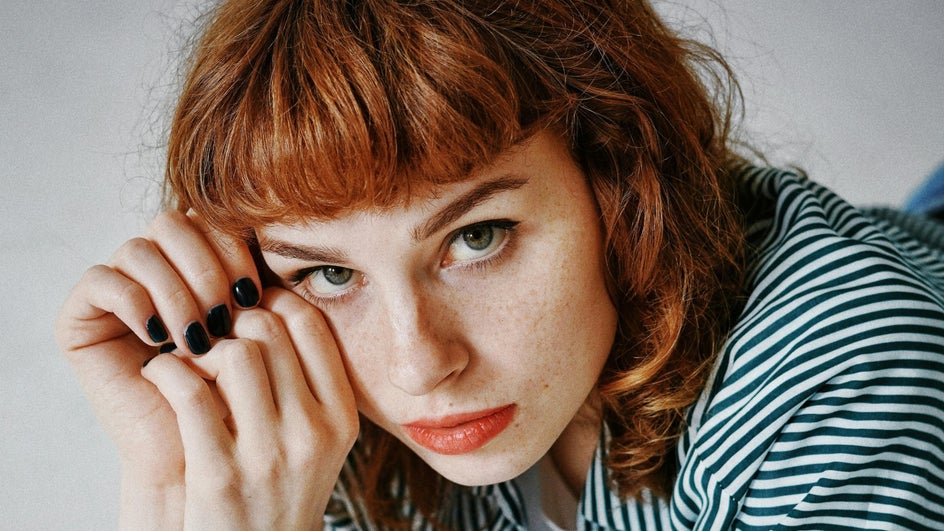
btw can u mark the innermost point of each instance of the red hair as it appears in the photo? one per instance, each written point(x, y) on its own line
point(305, 108)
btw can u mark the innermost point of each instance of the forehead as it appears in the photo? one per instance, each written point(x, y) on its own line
point(419, 216)
point(509, 170)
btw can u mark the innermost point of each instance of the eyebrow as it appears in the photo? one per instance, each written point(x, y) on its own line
point(454, 210)
point(328, 255)
point(466, 202)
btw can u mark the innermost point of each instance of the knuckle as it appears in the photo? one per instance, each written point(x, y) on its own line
point(218, 481)
point(265, 468)
point(95, 273)
point(341, 440)
point(307, 429)
point(193, 394)
point(135, 250)
point(167, 222)
point(240, 353)
point(347, 431)
point(132, 295)
point(260, 324)
point(210, 276)
point(303, 453)
point(310, 320)
point(312, 436)
point(178, 297)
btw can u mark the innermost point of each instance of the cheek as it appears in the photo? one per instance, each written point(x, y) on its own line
point(357, 341)
point(575, 319)
point(548, 320)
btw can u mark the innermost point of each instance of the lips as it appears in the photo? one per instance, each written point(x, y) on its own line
point(463, 433)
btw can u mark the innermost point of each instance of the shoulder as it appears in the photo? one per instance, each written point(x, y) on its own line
point(829, 388)
point(825, 277)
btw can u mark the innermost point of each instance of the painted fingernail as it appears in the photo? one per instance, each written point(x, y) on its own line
point(155, 329)
point(197, 339)
point(245, 292)
point(166, 348)
point(219, 322)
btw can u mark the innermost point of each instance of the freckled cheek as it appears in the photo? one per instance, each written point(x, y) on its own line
point(573, 318)
point(361, 353)
point(519, 327)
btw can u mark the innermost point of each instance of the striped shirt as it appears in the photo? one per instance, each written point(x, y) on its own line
point(825, 409)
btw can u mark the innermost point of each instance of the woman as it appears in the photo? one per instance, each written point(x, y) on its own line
point(498, 265)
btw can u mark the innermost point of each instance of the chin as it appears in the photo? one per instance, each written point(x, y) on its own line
point(485, 466)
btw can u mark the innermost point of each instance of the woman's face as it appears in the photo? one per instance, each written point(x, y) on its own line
point(474, 321)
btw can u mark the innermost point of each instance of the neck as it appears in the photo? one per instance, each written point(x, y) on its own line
point(573, 451)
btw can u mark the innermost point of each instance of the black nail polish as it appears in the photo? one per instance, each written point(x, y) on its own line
point(219, 322)
point(167, 347)
point(155, 329)
point(245, 292)
point(197, 339)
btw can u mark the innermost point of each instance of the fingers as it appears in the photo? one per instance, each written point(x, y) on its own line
point(201, 279)
point(238, 369)
point(192, 276)
point(311, 388)
point(143, 262)
point(283, 366)
point(299, 352)
point(319, 365)
point(104, 305)
point(263, 384)
point(179, 285)
point(203, 432)
point(237, 263)
point(261, 460)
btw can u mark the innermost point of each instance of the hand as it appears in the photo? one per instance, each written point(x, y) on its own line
point(176, 281)
point(270, 457)
point(157, 287)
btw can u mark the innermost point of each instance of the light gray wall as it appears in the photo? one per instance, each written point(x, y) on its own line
point(850, 90)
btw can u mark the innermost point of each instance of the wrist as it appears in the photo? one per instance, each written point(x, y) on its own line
point(149, 502)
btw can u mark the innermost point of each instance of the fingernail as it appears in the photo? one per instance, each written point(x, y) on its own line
point(166, 348)
point(156, 330)
point(245, 292)
point(197, 339)
point(219, 321)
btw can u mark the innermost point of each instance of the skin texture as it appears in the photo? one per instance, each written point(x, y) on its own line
point(419, 323)
point(429, 327)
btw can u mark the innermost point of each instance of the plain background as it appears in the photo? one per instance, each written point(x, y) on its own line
point(849, 90)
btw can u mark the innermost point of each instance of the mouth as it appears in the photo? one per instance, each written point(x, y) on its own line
point(463, 433)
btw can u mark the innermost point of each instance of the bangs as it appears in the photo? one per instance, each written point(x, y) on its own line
point(297, 110)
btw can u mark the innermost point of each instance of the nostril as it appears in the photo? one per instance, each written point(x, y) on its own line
point(419, 371)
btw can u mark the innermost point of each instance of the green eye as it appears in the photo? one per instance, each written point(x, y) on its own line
point(329, 281)
point(337, 276)
point(478, 242)
point(478, 238)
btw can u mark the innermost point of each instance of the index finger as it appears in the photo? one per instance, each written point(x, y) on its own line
point(237, 261)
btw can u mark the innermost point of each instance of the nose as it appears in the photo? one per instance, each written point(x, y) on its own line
point(425, 347)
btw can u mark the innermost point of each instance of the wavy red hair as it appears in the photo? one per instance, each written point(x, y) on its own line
point(307, 108)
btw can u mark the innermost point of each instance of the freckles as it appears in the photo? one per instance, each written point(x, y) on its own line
point(362, 363)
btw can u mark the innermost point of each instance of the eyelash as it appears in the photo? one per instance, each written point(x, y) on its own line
point(506, 225)
point(298, 277)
